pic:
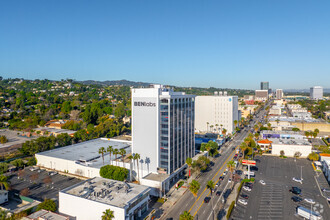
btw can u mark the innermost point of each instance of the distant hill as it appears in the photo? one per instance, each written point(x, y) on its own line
point(116, 82)
point(325, 90)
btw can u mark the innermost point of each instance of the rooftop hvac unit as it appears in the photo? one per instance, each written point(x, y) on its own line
point(216, 93)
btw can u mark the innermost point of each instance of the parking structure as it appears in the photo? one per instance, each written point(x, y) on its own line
point(39, 184)
point(273, 200)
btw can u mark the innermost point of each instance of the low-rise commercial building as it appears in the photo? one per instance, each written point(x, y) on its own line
point(275, 110)
point(89, 199)
point(281, 134)
point(261, 95)
point(290, 147)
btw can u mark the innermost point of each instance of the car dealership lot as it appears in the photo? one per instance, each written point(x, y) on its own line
point(273, 200)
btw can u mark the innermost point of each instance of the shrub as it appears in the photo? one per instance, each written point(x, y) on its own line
point(32, 161)
point(3, 168)
point(48, 204)
point(114, 172)
point(230, 209)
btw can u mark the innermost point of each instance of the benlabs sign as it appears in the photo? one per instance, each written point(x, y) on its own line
point(147, 104)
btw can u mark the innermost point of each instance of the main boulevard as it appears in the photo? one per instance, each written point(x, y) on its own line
point(196, 205)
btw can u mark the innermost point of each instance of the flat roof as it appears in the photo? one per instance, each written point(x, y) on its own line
point(87, 153)
point(290, 141)
point(111, 192)
point(44, 214)
point(281, 132)
point(156, 177)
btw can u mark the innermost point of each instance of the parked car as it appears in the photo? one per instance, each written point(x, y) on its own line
point(242, 201)
point(297, 180)
point(34, 168)
point(207, 199)
point(52, 173)
point(229, 180)
point(246, 188)
point(218, 193)
point(217, 184)
point(295, 190)
point(262, 182)
point(325, 190)
point(311, 201)
point(221, 177)
point(296, 199)
point(244, 196)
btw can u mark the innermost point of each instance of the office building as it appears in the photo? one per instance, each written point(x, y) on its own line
point(316, 93)
point(215, 113)
point(279, 93)
point(261, 95)
point(264, 86)
point(162, 128)
point(89, 199)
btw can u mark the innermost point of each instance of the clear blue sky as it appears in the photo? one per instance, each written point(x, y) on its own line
point(221, 43)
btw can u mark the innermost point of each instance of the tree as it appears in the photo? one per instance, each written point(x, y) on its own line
point(235, 122)
point(313, 156)
point(130, 157)
point(243, 147)
point(297, 154)
point(282, 153)
point(114, 172)
point(18, 163)
point(3, 139)
point(186, 216)
point(108, 215)
point(210, 185)
point(116, 152)
point(48, 205)
point(122, 153)
point(307, 134)
point(231, 166)
point(137, 158)
point(110, 150)
point(295, 129)
point(102, 151)
point(224, 131)
point(4, 182)
point(194, 186)
point(189, 163)
point(3, 167)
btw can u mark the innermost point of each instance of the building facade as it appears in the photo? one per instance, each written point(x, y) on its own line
point(214, 111)
point(261, 95)
point(162, 128)
point(316, 92)
point(279, 93)
point(264, 86)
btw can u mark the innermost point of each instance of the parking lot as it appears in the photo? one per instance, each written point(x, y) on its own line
point(39, 184)
point(273, 200)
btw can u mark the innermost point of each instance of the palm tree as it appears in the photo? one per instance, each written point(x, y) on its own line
point(216, 127)
point(130, 157)
point(186, 216)
point(307, 134)
point(116, 152)
point(4, 182)
point(110, 150)
point(231, 165)
point(235, 123)
point(137, 158)
point(277, 121)
point(210, 185)
point(313, 156)
point(207, 126)
point(269, 126)
point(108, 215)
point(122, 153)
point(224, 131)
point(316, 130)
point(211, 128)
point(194, 186)
point(189, 163)
point(102, 151)
point(256, 136)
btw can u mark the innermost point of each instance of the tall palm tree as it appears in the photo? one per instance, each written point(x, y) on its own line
point(207, 126)
point(4, 182)
point(210, 185)
point(194, 186)
point(189, 163)
point(243, 147)
point(224, 131)
point(216, 127)
point(231, 166)
point(235, 123)
point(186, 216)
point(130, 157)
point(211, 128)
point(116, 152)
point(137, 158)
point(122, 153)
point(110, 150)
point(102, 151)
point(108, 215)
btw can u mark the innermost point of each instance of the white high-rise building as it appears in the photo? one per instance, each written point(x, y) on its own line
point(279, 93)
point(162, 128)
point(214, 111)
point(316, 92)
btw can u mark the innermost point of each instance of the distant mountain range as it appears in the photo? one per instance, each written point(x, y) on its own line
point(116, 82)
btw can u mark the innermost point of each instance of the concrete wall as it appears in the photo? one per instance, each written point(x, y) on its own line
point(323, 127)
point(290, 150)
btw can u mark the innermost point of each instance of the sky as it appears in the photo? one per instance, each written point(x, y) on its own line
point(221, 43)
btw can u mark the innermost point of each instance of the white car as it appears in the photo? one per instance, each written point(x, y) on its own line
point(216, 185)
point(242, 201)
point(311, 201)
point(34, 168)
point(262, 182)
point(247, 188)
point(297, 180)
point(229, 180)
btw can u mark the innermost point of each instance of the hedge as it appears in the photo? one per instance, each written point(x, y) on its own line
point(114, 172)
point(230, 209)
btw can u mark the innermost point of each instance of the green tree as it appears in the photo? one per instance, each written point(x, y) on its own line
point(116, 152)
point(47, 204)
point(282, 153)
point(194, 186)
point(231, 166)
point(189, 163)
point(186, 216)
point(102, 152)
point(122, 152)
point(313, 156)
point(3, 139)
point(137, 158)
point(210, 185)
point(18, 163)
point(108, 215)
point(110, 150)
point(114, 172)
point(3, 167)
point(4, 182)
point(243, 147)
point(295, 129)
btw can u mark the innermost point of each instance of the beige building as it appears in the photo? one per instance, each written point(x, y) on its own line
point(261, 95)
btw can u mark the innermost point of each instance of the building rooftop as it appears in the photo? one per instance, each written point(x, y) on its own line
point(111, 192)
point(265, 141)
point(281, 132)
point(156, 177)
point(87, 153)
point(292, 119)
point(45, 215)
point(290, 141)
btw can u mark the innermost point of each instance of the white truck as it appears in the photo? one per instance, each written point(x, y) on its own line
point(307, 213)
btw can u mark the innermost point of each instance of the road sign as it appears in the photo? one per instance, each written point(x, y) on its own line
point(247, 173)
point(249, 162)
